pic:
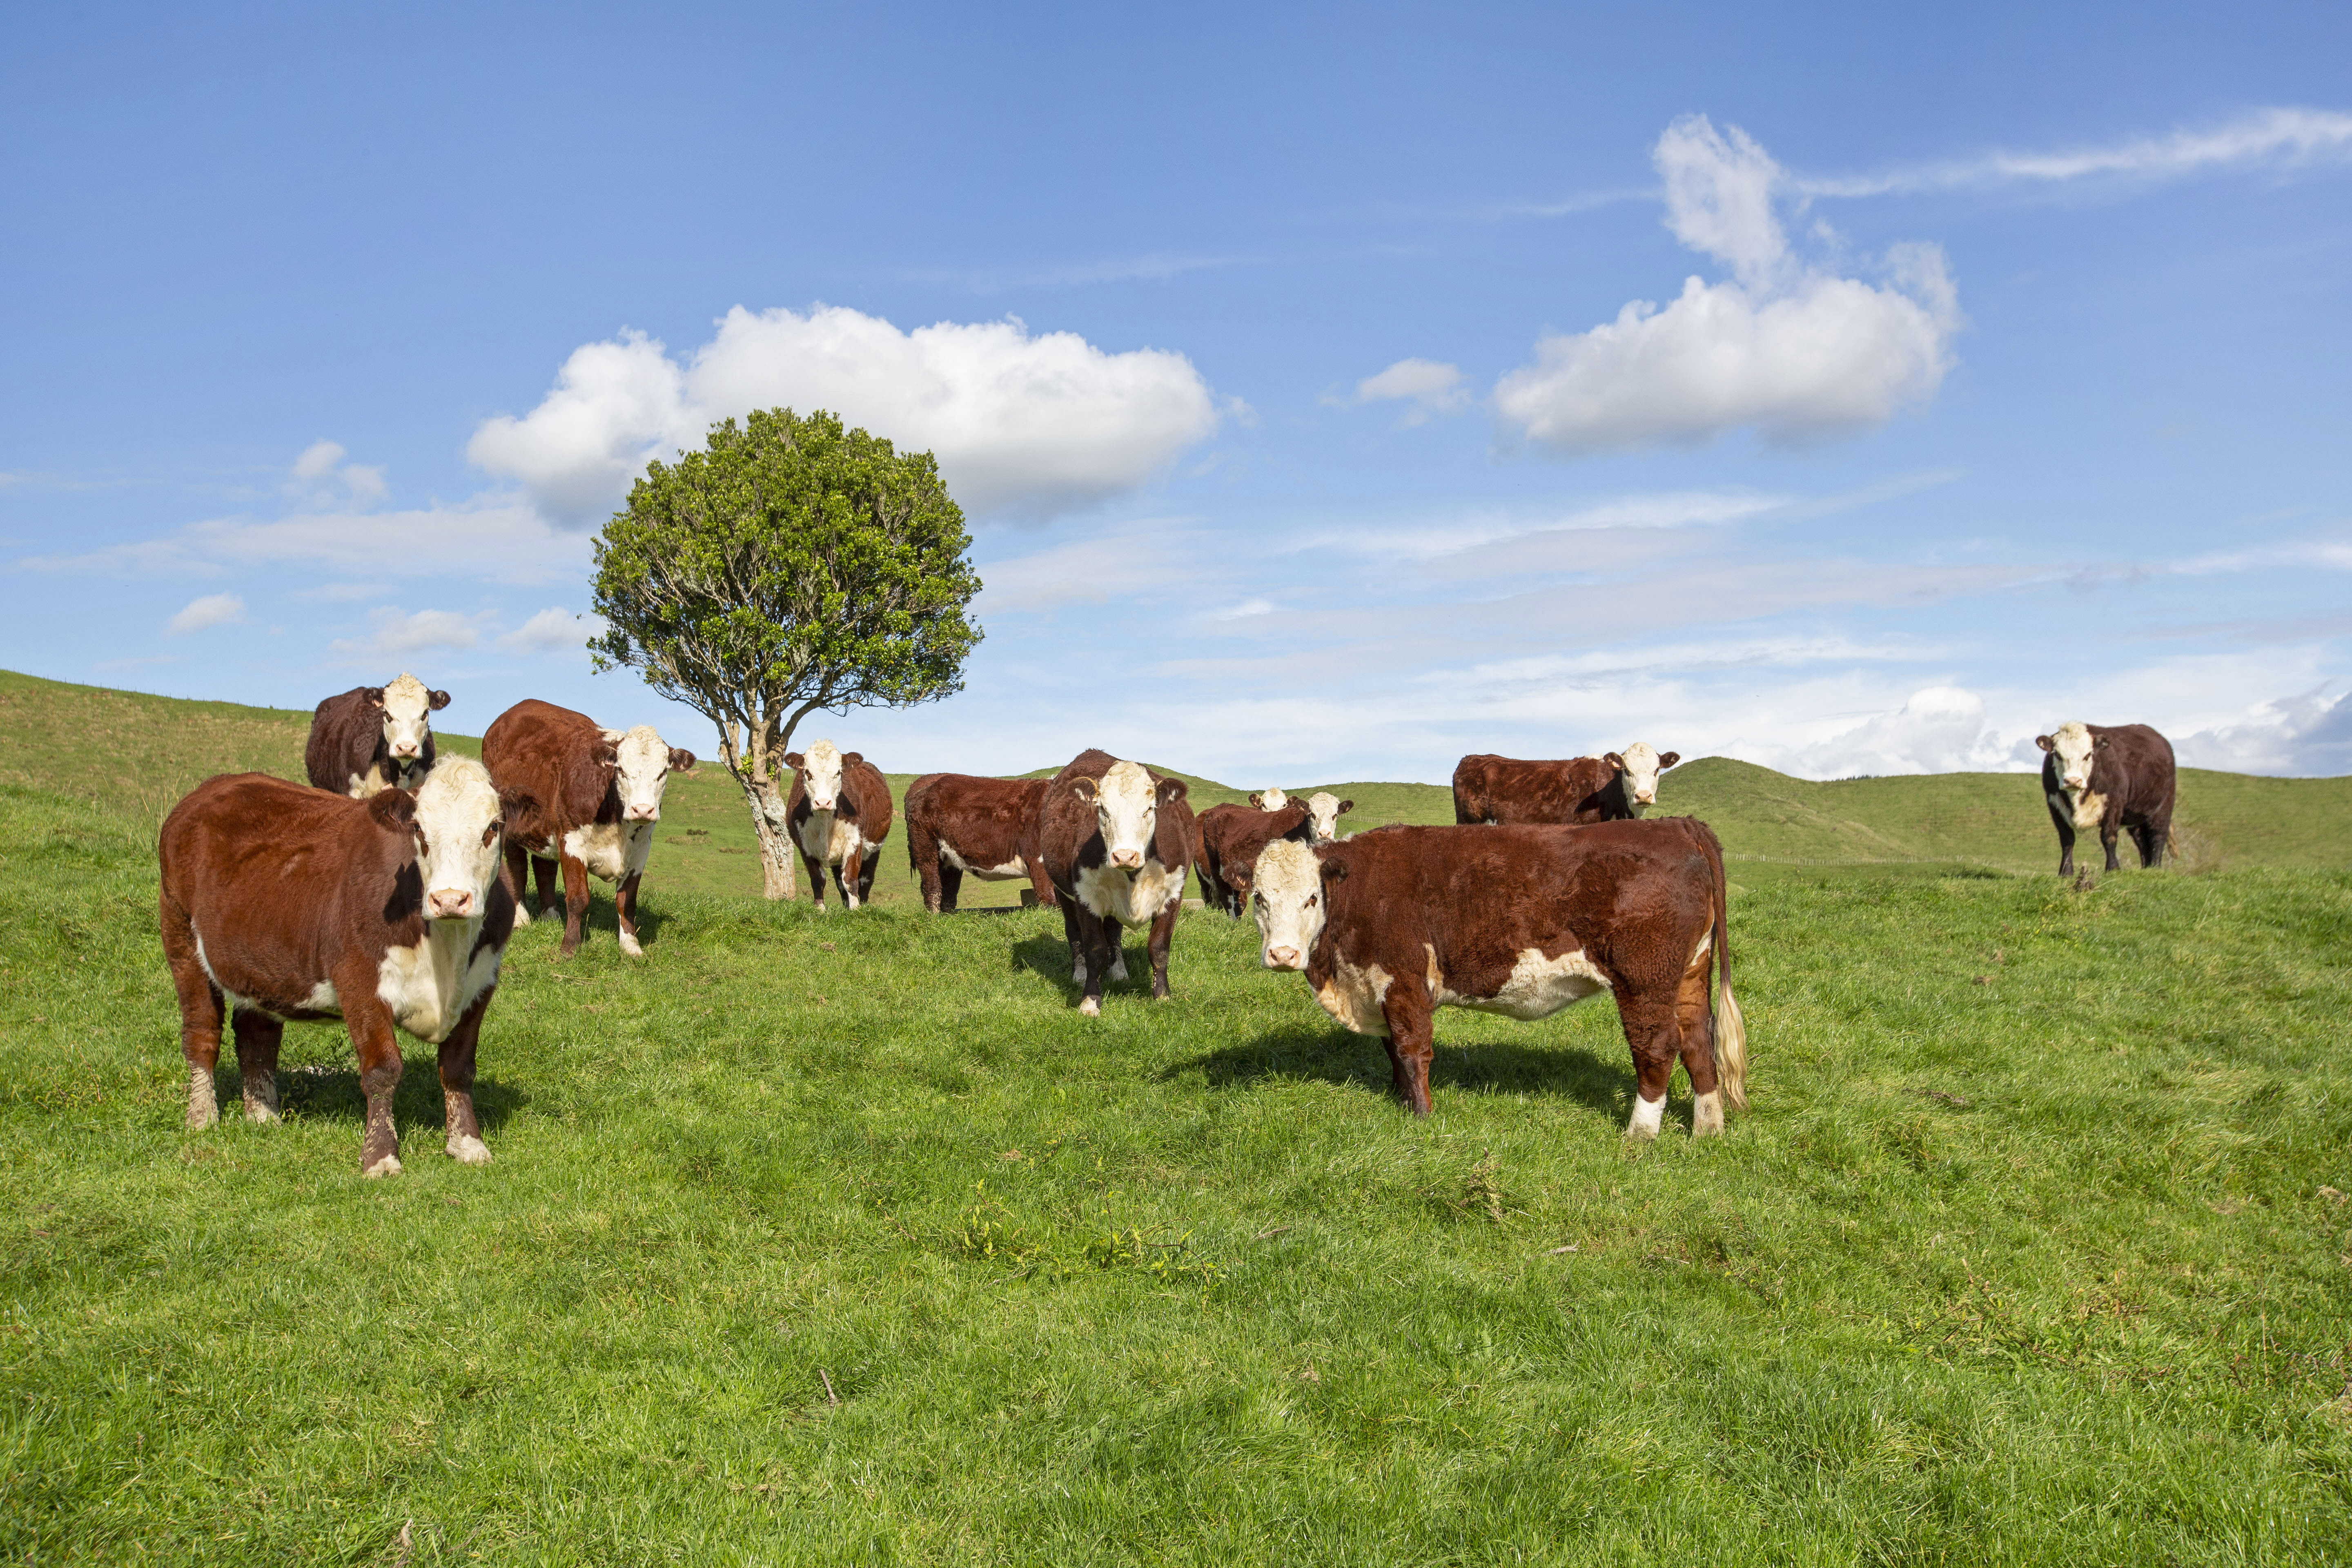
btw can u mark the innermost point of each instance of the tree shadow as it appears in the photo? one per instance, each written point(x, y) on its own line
point(332, 1091)
point(1480, 1067)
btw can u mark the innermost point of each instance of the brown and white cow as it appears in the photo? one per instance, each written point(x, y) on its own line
point(1394, 924)
point(1117, 839)
point(838, 813)
point(1617, 787)
point(1325, 810)
point(1226, 842)
point(1268, 799)
point(960, 822)
point(593, 797)
point(374, 737)
point(280, 902)
point(2110, 778)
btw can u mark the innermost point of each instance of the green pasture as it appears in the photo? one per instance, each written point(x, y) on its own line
point(846, 1240)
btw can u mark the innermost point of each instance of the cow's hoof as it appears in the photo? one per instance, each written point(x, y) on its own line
point(387, 1166)
point(467, 1151)
point(258, 1113)
point(204, 1111)
point(202, 1116)
point(1119, 971)
point(522, 914)
point(629, 945)
point(1706, 1116)
point(1077, 975)
point(1090, 1007)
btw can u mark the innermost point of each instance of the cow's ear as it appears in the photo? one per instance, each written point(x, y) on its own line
point(1171, 790)
point(373, 694)
point(1254, 796)
point(1669, 759)
point(680, 759)
point(793, 760)
point(1345, 807)
point(393, 808)
point(614, 737)
point(436, 700)
point(2098, 742)
point(851, 759)
point(2042, 741)
point(1333, 870)
point(514, 803)
point(1614, 761)
point(1084, 789)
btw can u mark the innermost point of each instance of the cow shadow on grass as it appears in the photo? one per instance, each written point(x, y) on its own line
point(1479, 1066)
point(332, 1091)
point(601, 922)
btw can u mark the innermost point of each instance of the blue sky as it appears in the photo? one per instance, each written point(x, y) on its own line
point(1331, 392)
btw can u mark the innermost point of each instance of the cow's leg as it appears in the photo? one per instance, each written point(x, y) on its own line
point(1411, 1019)
point(866, 867)
point(815, 869)
point(625, 911)
point(1077, 936)
point(1163, 928)
point(845, 876)
point(2065, 842)
point(2150, 836)
point(1042, 883)
point(258, 1038)
point(930, 867)
point(944, 886)
point(201, 1009)
point(2109, 831)
point(514, 869)
point(575, 905)
point(464, 1143)
point(1101, 937)
point(1656, 1041)
point(378, 1049)
point(549, 897)
point(1117, 935)
point(1694, 1021)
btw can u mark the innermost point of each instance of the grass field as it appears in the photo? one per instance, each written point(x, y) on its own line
point(848, 1240)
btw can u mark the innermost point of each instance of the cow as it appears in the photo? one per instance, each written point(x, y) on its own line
point(1617, 787)
point(373, 738)
point(1226, 842)
point(1326, 809)
point(593, 797)
point(1390, 925)
point(1117, 839)
point(959, 823)
point(838, 813)
point(280, 902)
point(2108, 778)
point(1268, 799)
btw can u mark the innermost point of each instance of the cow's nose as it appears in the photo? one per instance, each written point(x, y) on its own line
point(645, 814)
point(1282, 958)
point(450, 904)
point(406, 749)
point(1127, 859)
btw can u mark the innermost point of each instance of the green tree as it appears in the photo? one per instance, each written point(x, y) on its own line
point(790, 566)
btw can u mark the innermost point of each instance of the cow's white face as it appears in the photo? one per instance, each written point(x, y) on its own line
point(459, 831)
point(1269, 800)
point(408, 716)
point(1324, 810)
point(1641, 764)
point(1287, 897)
point(2070, 743)
point(642, 773)
point(1127, 812)
point(819, 771)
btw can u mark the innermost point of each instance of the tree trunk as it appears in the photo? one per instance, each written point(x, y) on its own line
point(756, 775)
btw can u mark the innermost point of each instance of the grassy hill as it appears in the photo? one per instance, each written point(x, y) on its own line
point(135, 756)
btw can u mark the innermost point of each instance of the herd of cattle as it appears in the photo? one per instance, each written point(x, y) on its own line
point(385, 893)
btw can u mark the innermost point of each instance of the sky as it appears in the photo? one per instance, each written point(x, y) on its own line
point(1329, 392)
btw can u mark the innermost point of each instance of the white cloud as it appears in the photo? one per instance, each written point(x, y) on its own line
point(1149, 560)
point(1941, 730)
point(395, 634)
point(1021, 424)
point(552, 630)
point(212, 610)
point(1797, 353)
point(1675, 508)
point(2304, 734)
point(321, 476)
point(2262, 136)
point(1245, 610)
point(1431, 388)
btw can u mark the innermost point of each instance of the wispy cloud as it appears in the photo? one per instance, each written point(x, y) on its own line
point(396, 634)
point(200, 614)
point(1431, 541)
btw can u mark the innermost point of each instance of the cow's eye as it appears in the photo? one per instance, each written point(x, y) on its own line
point(1310, 900)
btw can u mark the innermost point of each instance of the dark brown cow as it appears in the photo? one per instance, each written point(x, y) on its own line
point(1117, 839)
point(1394, 924)
point(2109, 778)
point(959, 823)
point(280, 902)
point(1614, 788)
point(837, 815)
point(1228, 840)
point(594, 797)
point(373, 738)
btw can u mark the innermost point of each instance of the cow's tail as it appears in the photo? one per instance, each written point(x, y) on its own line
point(1731, 1028)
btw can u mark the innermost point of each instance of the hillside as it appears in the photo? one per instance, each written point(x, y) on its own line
point(134, 755)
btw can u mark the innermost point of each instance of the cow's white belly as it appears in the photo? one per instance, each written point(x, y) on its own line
point(1010, 869)
point(1131, 901)
point(1355, 997)
point(429, 987)
point(827, 837)
point(613, 851)
point(2089, 809)
point(1536, 986)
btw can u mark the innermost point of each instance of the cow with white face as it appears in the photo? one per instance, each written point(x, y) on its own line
point(2106, 779)
point(1507, 791)
point(1116, 839)
point(283, 903)
point(373, 738)
point(1638, 767)
point(837, 815)
point(594, 799)
point(1324, 810)
point(1268, 799)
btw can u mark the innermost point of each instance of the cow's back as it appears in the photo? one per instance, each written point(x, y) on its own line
point(992, 818)
point(1516, 790)
point(345, 732)
point(2138, 767)
point(869, 792)
point(554, 763)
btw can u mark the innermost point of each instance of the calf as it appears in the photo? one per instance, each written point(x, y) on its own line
point(1227, 841)
point(957, 824)
point(283, 902)
point(1391, 925)
point(593, 796)
point(1268, 799)
point(2108, 778)
point(1116, 838)
point(373, 738)
point(838, 815)
point(1617, 787)
point(1326, 809)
